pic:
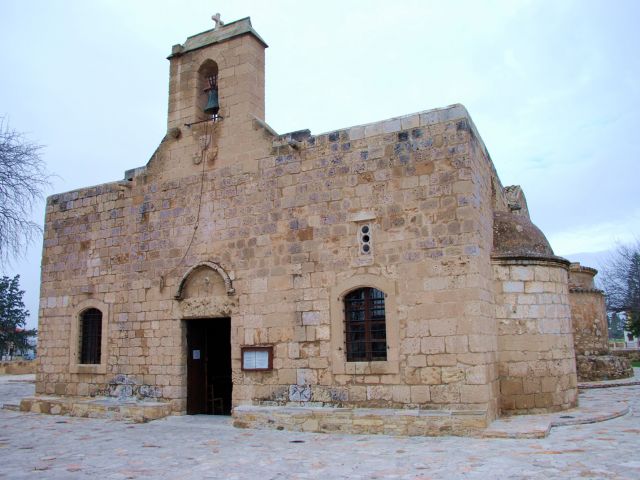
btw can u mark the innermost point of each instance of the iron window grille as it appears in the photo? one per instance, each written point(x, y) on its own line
point(90, 336)
point(366, 333)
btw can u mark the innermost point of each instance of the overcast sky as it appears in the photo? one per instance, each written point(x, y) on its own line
point(553, 87)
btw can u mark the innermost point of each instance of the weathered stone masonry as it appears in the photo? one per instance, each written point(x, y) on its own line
point(230, 220)
point(590, 329)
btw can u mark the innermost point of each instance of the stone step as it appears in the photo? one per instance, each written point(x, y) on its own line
point(135, 411)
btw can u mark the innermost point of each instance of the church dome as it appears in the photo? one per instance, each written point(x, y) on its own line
point(515, 235)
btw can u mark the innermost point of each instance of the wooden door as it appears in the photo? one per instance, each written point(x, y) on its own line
point(196, 368)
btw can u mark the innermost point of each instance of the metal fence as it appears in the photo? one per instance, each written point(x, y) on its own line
point(624, 345)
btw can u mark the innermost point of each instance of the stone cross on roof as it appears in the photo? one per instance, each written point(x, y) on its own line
point(216, 19)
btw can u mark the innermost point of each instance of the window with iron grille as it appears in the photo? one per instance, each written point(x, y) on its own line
point(366, 332)
point(90, 336)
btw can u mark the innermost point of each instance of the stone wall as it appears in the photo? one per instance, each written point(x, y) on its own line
point(285, 229)
point(17, 367)
point(602, 367)
point(590, 329)
point(536, 355)
point(588, 313)
point(632, 355)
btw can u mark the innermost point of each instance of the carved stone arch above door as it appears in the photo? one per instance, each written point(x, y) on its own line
point(198, 270)
point(205, 291)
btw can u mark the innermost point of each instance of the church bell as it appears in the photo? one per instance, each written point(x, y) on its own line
point(213, 107)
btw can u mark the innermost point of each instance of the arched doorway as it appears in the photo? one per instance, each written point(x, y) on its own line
point(206, 299)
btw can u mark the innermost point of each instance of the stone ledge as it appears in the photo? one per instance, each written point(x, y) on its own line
point(361, 420)
point(539, 426)
point(621, 383)
point(592, 409)
point(624, 382)
point(585, 290)
point(217, 35)
point(405, 122)
point(138, 412)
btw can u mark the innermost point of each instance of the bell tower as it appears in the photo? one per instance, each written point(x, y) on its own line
point(218, 76)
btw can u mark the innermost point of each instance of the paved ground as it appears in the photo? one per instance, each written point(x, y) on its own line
point(15, 387)
point(200, 447)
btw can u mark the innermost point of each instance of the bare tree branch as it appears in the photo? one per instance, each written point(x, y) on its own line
point(620, 280)
point(23, 178)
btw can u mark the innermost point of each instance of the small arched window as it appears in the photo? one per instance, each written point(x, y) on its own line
point(366, 332)
point(90, 336)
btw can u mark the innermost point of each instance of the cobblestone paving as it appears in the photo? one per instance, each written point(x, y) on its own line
point(201, 447)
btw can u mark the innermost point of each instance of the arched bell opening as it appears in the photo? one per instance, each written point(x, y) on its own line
point(208, 99)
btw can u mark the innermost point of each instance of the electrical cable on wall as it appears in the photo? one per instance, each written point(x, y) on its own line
point(208, 134)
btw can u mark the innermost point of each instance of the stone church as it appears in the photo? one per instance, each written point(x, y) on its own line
point(376, 278)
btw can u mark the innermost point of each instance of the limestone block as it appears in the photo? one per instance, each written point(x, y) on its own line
point(522, 273)
point(474, 394)
point(373, 129)
point(430, 375)
point(417, 361)
point(513, 287)
point(306, 376)
point(357, 393)
point(531, 385)
point(456, 344)
point(391, 126)
point(476, 375)
point(484, 343)
point(442, 327)
point(379, 392)
point(511, 386)
point(356, 133)
point(452, 374)
point(445, 394)
point(401, 394)
point(442, 360)
point(431, 345)
point(420, 394)
point(311, 318)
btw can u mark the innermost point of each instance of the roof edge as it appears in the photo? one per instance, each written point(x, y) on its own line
point(217, 35)
point(530, 259)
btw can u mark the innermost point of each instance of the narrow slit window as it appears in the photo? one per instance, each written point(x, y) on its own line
point(90, 336)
